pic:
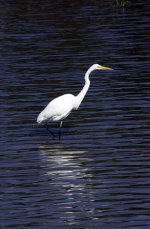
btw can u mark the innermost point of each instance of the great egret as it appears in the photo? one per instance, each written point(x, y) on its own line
point(59, 108)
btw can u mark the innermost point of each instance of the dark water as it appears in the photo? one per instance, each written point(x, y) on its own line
point(97, 176)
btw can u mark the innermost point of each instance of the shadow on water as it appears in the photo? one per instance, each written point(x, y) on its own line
point(71, 174)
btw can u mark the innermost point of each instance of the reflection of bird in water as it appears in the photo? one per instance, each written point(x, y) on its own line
point(59, 108)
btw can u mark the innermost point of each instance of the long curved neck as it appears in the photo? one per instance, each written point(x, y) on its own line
point(84, 90)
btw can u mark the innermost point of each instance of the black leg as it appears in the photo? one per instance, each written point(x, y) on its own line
point(60, 130)
point(49, 131)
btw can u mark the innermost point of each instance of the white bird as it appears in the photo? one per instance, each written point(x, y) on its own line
point(59, 108)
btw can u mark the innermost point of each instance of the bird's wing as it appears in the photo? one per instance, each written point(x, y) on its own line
point(59, 108)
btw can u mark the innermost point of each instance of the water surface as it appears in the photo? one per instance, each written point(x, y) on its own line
point(97, 176)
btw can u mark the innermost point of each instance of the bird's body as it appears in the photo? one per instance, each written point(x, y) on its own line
point(59, 108)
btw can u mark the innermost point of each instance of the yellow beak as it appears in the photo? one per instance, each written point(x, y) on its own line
point(105, 68)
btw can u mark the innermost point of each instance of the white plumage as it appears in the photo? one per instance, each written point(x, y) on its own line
point(59, 108)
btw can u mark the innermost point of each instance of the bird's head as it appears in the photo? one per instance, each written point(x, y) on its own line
point(100, 67)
